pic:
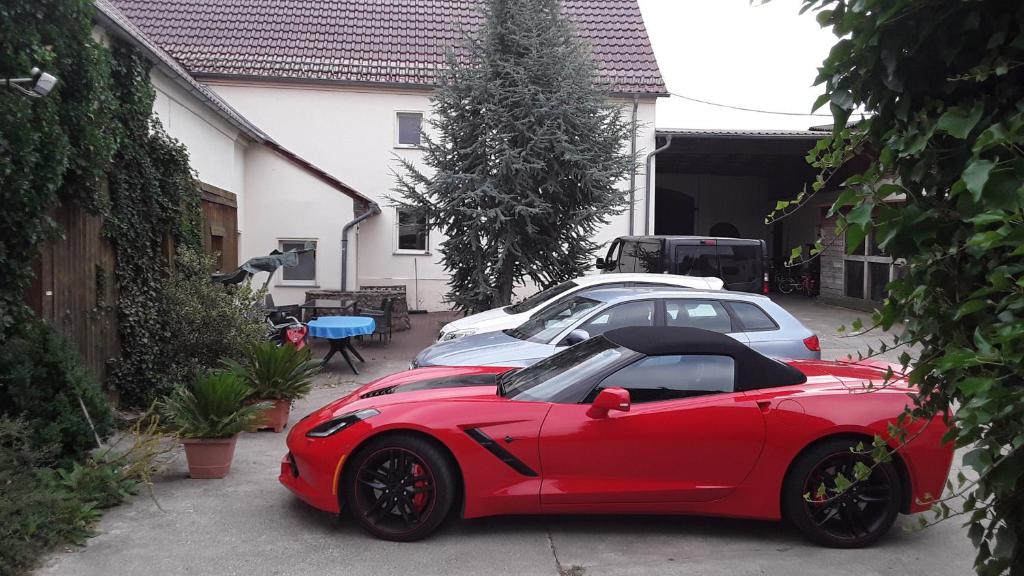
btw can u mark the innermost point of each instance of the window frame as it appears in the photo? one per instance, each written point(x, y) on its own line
point(738, 320)
point(734, 323)
point(586, 399)
point(863, 258)
point(558, 340)
point(397, 140)
point(314, 283)
point(398, 250)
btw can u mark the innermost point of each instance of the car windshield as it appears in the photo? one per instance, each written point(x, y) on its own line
point(551, 320)
point(540, 298)
point(547, 379)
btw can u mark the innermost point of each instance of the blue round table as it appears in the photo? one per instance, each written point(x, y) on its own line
point(339, 330)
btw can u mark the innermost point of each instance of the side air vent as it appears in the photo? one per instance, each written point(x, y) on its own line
point(380, 392)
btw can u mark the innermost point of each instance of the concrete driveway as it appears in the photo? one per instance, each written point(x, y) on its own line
point(247, 524)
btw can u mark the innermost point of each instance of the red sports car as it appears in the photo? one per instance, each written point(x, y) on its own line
point(653, 420)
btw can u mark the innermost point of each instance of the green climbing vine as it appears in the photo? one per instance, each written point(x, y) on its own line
point(52, 149)
point(154, 205)
point(92, 141)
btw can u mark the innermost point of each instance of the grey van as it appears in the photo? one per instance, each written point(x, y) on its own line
point(739, 262)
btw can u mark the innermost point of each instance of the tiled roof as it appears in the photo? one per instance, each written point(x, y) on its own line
point(115, 22)
point(398, 42)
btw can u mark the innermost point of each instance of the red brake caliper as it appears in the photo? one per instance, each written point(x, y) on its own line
point(420, 499)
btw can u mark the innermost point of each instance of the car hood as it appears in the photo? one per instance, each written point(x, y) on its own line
point(487, 349)
point(419, 385)
point(474, 319)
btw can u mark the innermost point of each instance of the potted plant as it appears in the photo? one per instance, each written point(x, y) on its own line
point(208, 416)
point(278, 375)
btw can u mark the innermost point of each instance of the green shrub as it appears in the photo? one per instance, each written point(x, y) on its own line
point(36, 512)
point(206, 322)
point(277, 372)
point(41, 381)
point(43, 506)
point(214, 407)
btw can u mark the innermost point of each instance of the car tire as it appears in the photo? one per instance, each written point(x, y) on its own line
point(399, 487)
point(853, 518)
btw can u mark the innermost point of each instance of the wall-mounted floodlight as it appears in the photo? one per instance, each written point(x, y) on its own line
point(38, 85)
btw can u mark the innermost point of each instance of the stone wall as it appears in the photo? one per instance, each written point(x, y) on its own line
point(370, 297)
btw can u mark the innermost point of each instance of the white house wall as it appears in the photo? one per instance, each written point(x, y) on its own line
point(350, 133)
point(286, 202)
point(213, 144)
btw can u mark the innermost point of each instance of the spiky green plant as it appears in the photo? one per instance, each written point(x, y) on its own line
point(214, 407)
point(277, 372)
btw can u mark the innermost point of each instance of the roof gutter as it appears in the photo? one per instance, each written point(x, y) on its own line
point(372, 210)
point(647, 186)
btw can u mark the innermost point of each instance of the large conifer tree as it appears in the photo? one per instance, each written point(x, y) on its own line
point(523, 159)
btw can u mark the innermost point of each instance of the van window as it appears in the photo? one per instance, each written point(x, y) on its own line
point(650, 257)
point(696, 260)
point(740, 263)
point(627, 258)
point(611, 262)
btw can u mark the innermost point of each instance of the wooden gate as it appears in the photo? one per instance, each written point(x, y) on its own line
point(75, 288)
point(220, 227)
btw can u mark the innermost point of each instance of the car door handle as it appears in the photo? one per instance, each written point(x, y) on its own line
point(764, 405)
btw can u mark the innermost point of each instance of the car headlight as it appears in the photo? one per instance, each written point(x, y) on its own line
point(339, 423)
point(456, 334)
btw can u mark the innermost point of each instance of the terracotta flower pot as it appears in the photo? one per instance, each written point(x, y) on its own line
point(209, 457)
point(276, 417)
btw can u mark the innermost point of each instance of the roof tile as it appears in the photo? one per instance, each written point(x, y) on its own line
point(381, 41)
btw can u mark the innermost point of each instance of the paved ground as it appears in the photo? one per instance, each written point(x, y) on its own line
point(247, 524)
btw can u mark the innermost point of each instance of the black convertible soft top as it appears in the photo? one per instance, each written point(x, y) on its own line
point(753, 370)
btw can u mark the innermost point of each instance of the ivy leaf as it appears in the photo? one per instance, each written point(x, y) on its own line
point(971, 386)
point(958, 122)
point(860, 215)
point(821, 101)
point(970, 307)
point(843, 99)
point(976, 175)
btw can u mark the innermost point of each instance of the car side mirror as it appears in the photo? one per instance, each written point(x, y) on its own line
point(600, 264)
point(607, 400)
point(575, 337)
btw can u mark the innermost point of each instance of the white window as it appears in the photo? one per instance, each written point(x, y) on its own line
point(305, 273)
point(410, 233)
point(408, 129)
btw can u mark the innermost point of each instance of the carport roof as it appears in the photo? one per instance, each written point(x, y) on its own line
point(731, 133)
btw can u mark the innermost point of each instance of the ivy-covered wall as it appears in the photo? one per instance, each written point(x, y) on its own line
point(97, 126)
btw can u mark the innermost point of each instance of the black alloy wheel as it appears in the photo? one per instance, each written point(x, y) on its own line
point(851, 518)
point(399, 488)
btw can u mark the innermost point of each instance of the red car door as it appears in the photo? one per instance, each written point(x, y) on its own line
point(687, 436)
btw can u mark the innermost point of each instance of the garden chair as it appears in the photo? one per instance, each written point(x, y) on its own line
point(381, 318)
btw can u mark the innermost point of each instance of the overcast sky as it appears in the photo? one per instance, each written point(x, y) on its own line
point(730, 52)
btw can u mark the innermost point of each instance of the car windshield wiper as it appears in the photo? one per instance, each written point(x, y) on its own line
point(500, 380)
point(515, 333)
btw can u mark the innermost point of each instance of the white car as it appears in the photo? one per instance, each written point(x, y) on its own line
point(514, 315)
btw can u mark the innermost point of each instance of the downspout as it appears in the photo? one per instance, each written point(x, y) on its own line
point(632, 173)
point(372, 210)
point(647, 186)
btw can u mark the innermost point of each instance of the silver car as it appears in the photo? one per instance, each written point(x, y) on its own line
point(750, 318)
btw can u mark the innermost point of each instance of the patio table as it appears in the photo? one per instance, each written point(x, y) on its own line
point(339, 330)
